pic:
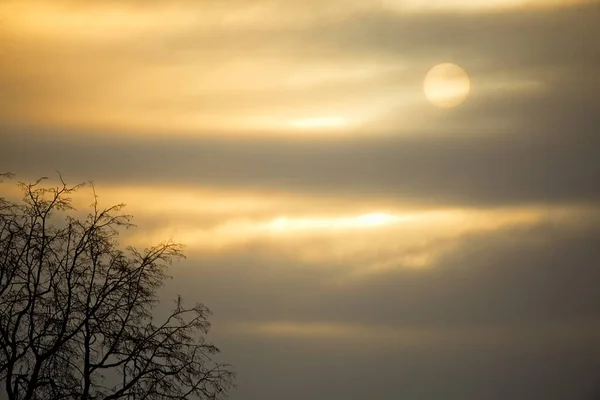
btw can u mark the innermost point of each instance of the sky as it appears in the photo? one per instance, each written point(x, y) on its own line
point(361, 227)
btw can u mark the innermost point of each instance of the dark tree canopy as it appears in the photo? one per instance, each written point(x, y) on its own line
point(76, 309)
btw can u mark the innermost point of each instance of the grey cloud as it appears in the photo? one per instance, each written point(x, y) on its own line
point(545, 274)
point(526, 166)
point(530, 41)
point(497, 41)
point(531, 276)
point(301, 369)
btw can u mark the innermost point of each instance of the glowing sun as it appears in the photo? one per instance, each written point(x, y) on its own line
point(446, 85)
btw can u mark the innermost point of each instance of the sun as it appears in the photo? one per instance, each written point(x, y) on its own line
point(446, 85)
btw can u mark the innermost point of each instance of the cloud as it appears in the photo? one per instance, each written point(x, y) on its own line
point(517, 168)
point(290, 125)
point(512, 313)
point(169, 69)
point(531, 275)
point(456, 372)
point(526, 136)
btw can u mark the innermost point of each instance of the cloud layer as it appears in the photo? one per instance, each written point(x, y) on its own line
point(352, 240)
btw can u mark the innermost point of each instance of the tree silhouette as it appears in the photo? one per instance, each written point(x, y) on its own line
point(76, 316)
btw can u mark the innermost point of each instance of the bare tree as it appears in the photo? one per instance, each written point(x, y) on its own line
point(76, 317)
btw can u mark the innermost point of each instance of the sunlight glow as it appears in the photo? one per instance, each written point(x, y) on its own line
point(318, 122)
point(52, 20)
point(390, 335)
point(368, 235)
point(283, 224)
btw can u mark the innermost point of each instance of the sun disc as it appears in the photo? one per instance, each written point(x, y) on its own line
point(446, 85)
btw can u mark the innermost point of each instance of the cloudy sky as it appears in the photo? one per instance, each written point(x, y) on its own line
point(355, 237)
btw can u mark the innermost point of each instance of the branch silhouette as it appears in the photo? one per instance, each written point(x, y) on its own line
point(76, 308)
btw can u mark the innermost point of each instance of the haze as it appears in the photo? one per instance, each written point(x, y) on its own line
point(353, 240)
